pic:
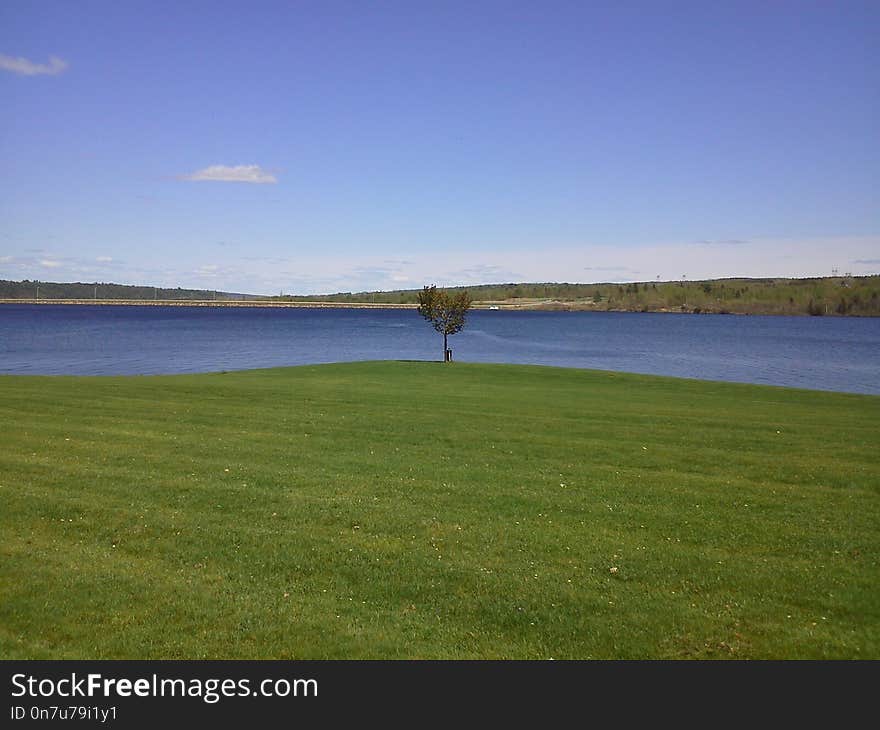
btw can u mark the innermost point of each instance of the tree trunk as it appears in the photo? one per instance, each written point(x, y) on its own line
point(445, 350)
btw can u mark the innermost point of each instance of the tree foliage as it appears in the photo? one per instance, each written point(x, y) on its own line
point(444, 310)
point(102, 290)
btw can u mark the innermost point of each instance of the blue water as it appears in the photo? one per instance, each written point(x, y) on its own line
point(824, 353)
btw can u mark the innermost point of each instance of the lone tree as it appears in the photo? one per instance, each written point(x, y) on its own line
point(445, 311)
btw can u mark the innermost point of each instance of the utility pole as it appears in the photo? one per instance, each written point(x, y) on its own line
point(96, 291)
point(38, 289)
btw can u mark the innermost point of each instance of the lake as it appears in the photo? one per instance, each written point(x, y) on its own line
point(823, 353)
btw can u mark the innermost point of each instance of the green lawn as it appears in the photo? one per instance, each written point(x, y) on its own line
point(422, 510)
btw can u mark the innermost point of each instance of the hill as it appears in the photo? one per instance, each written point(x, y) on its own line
point(827, 296)
point(100, 290)
point(848, 295)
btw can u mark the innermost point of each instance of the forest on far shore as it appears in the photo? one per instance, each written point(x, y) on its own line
point(827, 296)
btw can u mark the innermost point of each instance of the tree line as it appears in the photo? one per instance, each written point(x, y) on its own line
point(827, 296)
point(100, 290)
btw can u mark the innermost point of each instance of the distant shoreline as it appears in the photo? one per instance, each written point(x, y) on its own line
point(543, 306)
point(847, 295)
point(209, 303)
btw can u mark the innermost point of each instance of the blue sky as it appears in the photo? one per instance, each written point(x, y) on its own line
point(329, 146)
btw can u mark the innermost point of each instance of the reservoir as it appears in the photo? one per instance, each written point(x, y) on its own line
point(822, 353)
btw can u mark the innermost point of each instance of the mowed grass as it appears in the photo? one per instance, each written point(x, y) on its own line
point(422, 510)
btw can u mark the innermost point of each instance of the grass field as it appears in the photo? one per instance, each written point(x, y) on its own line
point(421, 510)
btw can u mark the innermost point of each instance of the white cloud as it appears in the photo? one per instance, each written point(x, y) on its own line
point(50, 263)
point(234, 173)
point(104, 259)
point(209, 271)
point(610, 268)
point(24, 67)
